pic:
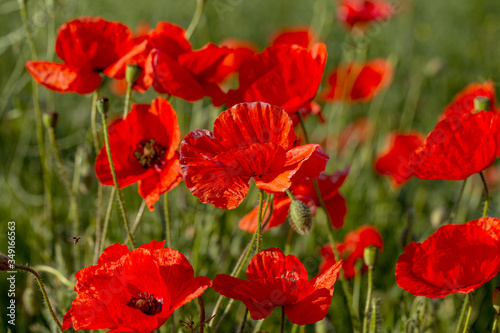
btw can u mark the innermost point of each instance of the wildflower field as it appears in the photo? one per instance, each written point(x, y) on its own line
point(249, 166)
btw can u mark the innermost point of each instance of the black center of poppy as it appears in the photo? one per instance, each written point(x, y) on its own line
point(149, 152)
point(147, 303)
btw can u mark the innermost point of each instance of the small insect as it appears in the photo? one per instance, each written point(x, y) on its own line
point(74, 239)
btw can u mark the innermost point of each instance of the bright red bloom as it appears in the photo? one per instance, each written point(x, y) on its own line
point(360, 13)
point(144, 150)
point(87, 45)
point(457, 258)
point(250, 140)
point(395, 158)
point(329, 186)
point(457, 147)
point(300, 35)
point(275, 280)
point(284, 75)
point(352, 249)
point(358, 82)
point(134, 291)
point(463, 102)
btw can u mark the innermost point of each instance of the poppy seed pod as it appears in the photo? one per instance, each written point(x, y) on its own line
point(370, 256)
point(4, 262)
point(482, 103)
point(103, 105)
point(300, 217)
point(132, 73)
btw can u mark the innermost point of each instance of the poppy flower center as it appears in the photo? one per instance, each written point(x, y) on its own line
point(149, 152)
point(147, 303)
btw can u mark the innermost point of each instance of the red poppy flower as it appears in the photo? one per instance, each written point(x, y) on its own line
point(144, 150)
point(300, 35)
point(360, 13)
point(275, 280)
point(134, 291)
point(284, 75)
point(457, 258)
point(250, 140)
point(87, 45)
point(329, 186)
point(395, 158)
point(168, 38)
point(352, 249)
point(358, 82)
point(463, 102)
point(457, 147)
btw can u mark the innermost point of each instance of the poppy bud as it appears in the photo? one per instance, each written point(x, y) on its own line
point(103, 105)
point(482, 103)
point(132, 73)
point(370, 256)
point(4, 262)
point(496, 300)
point(300, 217)
point(50, 119)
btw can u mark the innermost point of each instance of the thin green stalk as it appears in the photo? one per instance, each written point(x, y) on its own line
point(128, 97)
point(469, 312)
point(486, 194)
point(295, 327)
point(93, 122)
point(356, 294)
point(301, 119)
point(259, 225)
point(288, 242)
point(368, 300)
point(115, 180)
point(373, 318)
point(282, 330)
point(98, 230)
point(56, 273)
point(44, 293)
point(168, 227)
point(495, 323)
point(106, 222)
point(243, 322)
point(462, 313)
point(137, 221)
point(457, 201)
point(200, 4)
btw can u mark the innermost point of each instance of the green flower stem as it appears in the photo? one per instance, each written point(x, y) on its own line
point(288, 242)
point(295, 327)
point(106, 223)
point(469, 312)
point(168, 227)
point(259, 225)
point(56, 273)
point(128, 97)
point(462, 314)
point(243, 322)
point(373, 319)
point(44, 293)
point(93, 122)
point(302, 124)
point(137, 220)
point(356, 294)
point(98, 230)
point(486, 194)
point(345, 286)
point(115, 181)
point(200, 4)
point(368, 299)
point(457, 201)
point(39, 125)
point(495, 324)
point(282, 330)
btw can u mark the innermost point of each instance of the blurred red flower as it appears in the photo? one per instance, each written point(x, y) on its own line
point(284, 75)
point(134, 291)
point(278, 280)
point(358, 82)
point(394, 160)
point(358, 14)
point(457, 258)
point(329, 186)
point(87, 45)
point(144, 150)
point(463, 102)
point(250, 140)
point(457, 147)
point(351, 249)
point(300, 35)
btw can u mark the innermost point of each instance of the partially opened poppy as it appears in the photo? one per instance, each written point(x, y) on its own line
point(250, 140)
point(463, 102)
point(144, 150)
point(394, 160)
point(278, 280)
point(358, 14)
point(457, 147)
point(87, 45)
point(457, 258)
point(358, 82)
point(305, 191)
point(284, 75)
point(352, 249)
point(133, 291)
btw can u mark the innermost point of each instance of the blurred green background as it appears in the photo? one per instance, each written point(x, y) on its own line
point(438, 48)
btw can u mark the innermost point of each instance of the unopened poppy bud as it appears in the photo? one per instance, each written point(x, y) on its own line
point(300, 217)
point(4, 262)
point(50, 119)
point(482, 103)
point(103, 105)
point(370, 256)
point(496, 300)
point(132, 73)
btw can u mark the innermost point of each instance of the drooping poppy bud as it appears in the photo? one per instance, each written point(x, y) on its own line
point(300, 217)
